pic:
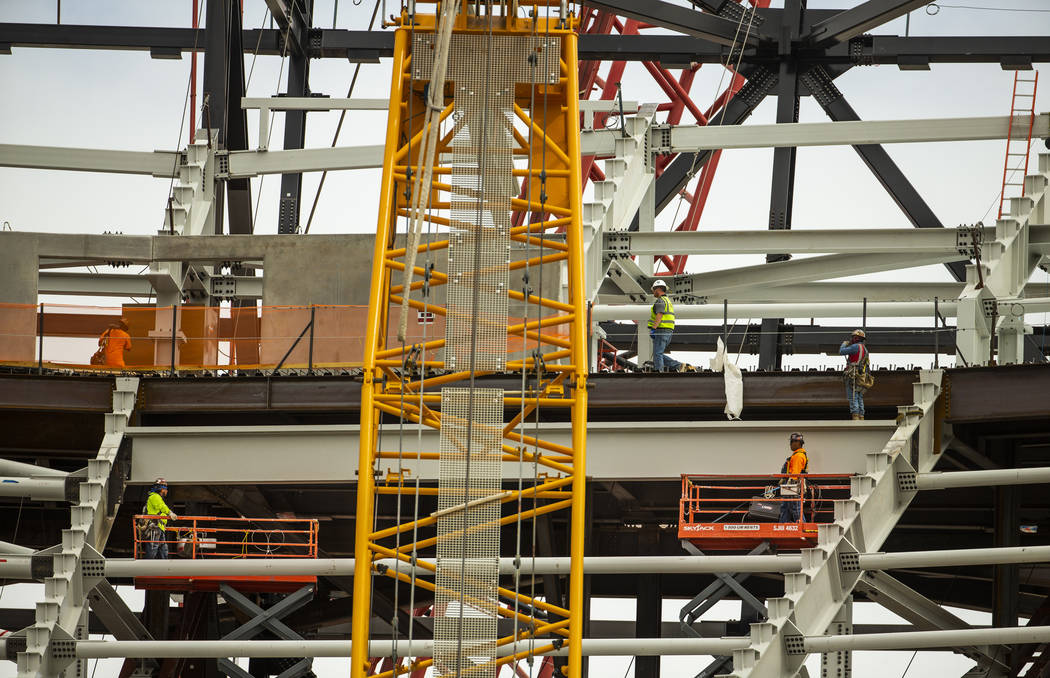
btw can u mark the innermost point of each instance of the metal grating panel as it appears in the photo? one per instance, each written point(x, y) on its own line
point(483, 184)
point(467, 577)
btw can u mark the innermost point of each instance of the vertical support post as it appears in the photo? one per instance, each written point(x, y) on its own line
point(578, 337)
point(936, 334)
point(725, 322)
point(193, 75)
point(839, 664)
point(174, 327)
point(313, 311)
point(377, 303)
point(223, 89)
point(1006, 579)
point(646, 224)
point(647, 623)
point(40, 340)
point(295, 131)
point(782, 196)
point(864, 315)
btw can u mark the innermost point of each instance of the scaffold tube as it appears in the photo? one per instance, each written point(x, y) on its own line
point(37, 489)
point(594, 647)
point(591, 647)
point(17, 468)
point(954, 557)
point(911, 640)
point(17, 566)
point(1008, 476)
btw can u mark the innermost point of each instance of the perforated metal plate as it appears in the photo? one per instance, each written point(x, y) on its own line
point(468, 536)
point(484, 70)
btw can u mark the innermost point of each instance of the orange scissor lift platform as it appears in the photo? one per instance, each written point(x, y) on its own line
point(739, 512)
point(213, 538)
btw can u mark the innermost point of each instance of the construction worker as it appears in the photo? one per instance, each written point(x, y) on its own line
point(796, 465)
point(661, 326)
point(856, 376)
point(156, 541)
point(114, 342)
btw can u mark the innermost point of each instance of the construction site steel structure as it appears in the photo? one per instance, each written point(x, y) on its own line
point(472, 426)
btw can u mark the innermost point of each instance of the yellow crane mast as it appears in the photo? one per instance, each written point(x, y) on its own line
point(500, 268)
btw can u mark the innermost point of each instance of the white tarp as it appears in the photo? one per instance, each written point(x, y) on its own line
point(733, 380)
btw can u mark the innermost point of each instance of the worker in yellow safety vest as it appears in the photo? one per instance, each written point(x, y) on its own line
point(661, 327)
point(152, 530)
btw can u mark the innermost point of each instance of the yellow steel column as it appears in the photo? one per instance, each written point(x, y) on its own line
point(377, 303)
point(579, 341)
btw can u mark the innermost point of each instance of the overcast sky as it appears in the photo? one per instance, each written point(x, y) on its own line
point(126, 100)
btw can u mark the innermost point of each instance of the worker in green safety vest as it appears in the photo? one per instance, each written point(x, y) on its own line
point(661, 327)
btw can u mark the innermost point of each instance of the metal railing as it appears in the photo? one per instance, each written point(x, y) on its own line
point(733, 498)
point(214, 537)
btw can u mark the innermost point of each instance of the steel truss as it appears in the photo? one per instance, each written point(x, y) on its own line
point(399, 379)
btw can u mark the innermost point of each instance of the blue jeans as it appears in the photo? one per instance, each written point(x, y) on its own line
point(790, 510)
point(661, 340)
point(157, 550)
point(855, 398)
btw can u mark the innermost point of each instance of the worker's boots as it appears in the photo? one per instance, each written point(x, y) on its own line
point(858, 417)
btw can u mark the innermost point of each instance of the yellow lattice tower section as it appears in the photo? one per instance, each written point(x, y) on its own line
point(501, 269)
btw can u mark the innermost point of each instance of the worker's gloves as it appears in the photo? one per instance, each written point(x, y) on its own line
point(173, 516)
point(652, 334)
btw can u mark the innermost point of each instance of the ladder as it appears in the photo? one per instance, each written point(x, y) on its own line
point(1022, 116)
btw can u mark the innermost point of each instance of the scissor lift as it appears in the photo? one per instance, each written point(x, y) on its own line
point(740, 512)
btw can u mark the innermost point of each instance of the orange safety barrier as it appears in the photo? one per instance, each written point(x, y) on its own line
point(214, 537)
point(214, 338)
point(729, 512)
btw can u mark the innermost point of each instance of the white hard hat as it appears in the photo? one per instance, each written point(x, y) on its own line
point(659, 283)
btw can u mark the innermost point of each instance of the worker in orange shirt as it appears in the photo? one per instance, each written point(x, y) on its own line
point(796, 465)
point(114, 342)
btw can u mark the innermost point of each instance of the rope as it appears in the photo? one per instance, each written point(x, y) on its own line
point(428, 149)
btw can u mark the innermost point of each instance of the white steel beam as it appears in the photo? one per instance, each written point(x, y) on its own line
point(334, 567)
point(914, 640)
point(267, 104)
point(94, 284)
point(798, 271)
point(691, 138)
point(799, 241)
point(737, 311)
point(314, 104)
point(158, 163)
point(824, 292)
point(953, 557)
point(17, 468)
point(941, 480)
point(255, 163)
point(592, 647)
point(126, 567)
point(37, 489)
point(8, 548)
point(259, 454)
